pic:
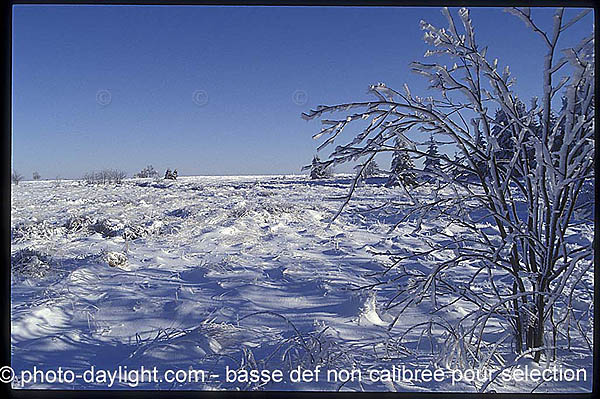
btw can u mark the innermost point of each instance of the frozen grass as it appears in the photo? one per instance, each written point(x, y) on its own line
point(244, 272)
point(31, 263)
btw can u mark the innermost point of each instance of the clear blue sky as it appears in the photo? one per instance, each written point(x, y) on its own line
point(248, 60)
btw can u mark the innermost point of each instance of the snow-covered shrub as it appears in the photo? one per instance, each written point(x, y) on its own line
point(24, 231)
point(278, 208)
point(108, 227)
point(31, 263)
point(78, 224)
point(117, 176)
point(506, 253)
point(90, 177)
point(115, 259)
point(148, 171)
point(309, 349)
point(170, 175)
point(133, 232)
point(263, 209)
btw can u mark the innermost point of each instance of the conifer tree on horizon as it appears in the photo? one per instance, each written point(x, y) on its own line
point(402, 165)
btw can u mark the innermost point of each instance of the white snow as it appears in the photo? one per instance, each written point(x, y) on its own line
point(213, 272)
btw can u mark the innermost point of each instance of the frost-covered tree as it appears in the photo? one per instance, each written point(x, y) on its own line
point(105, 176)
point(432, 161)
point(514, 220)
point(36, 176)
point(171, 175)
point(370, 170)
point(318, 169)
point(16, 177)
point(148, 171)
point(402, 167)
point(117, 175)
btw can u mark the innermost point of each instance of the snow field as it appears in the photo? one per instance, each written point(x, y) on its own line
point(209, 273)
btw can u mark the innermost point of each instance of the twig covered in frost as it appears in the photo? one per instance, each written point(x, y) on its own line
point(516, 180)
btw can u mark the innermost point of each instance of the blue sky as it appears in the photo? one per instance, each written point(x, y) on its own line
point(246, 63)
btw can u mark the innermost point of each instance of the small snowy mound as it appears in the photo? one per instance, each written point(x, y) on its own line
point(116, 259)
point(368, 314)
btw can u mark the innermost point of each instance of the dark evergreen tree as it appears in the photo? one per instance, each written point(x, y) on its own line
point(507, 135)
point(402, 164)
point(318, 170)
point(558, 138)
point(432, 161)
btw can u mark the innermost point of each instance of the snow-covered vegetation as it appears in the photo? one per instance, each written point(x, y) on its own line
point(105, 176)
point(238, 272)
point(16, 177)
point(148, 171)
point(520, 180)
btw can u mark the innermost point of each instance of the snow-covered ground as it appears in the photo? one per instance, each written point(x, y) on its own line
point(210, 273)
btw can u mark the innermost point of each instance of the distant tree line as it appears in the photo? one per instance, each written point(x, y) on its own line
point(149, 171)
point(105, 176)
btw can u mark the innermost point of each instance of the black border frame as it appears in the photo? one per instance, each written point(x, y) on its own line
point(5, 199)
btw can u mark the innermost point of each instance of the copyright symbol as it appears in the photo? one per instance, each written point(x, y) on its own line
point(103, 97)
point(7, 374)
point(200, 97)
point(300, 97)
